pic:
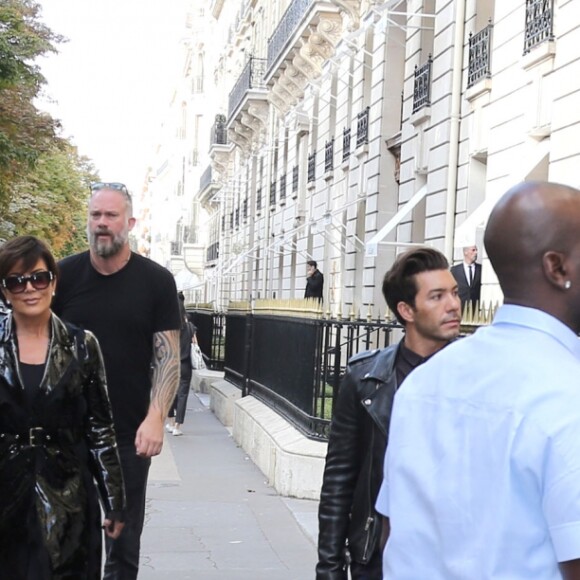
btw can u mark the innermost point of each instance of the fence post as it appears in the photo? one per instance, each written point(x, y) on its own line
point(247, 355)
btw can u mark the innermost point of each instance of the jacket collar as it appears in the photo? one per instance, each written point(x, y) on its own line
point(60, 334)
point(383, 364)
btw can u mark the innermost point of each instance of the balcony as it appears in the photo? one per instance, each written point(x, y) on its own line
point(422, 87)
point(259, 199)
point(539, 23)
point(247, 105)
point(304, 39)
point(362, 128)
point(282, 189)
point(219, 133)
point(208, 185)
point(212, 252)
point(479, 56)
point(346, 144)
point(329, 156)
point(312, 167)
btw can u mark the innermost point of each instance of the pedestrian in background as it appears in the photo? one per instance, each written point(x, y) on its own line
point(468, 276)
point(314, 281)
point(481, 474)
point(130, 303)
point(56, 430)
point(422, 293)
point(186, 339)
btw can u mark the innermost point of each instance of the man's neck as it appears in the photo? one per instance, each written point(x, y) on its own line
point(421, 345)
point(111, 264)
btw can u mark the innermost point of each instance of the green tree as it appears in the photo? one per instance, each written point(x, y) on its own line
point(25, 132)
point(51, 200)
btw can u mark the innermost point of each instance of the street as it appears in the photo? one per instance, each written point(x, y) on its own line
point(211, 515)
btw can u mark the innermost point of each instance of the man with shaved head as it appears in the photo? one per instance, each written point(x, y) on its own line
point(482, 472)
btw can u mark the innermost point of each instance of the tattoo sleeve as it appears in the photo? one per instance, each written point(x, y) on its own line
point(165, 369)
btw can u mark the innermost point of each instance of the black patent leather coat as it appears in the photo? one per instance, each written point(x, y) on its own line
point(47, 491)
point(354, 464)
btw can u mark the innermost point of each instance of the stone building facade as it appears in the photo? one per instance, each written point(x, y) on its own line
point(346, 130)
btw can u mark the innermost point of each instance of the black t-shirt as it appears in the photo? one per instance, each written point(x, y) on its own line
point(123, 310)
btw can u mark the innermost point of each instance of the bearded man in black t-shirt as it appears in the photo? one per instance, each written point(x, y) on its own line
point(130, 303)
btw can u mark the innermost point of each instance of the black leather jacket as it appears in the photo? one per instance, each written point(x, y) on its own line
point(354, 463)
point(51, 450)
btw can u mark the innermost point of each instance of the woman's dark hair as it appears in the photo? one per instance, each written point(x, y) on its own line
point(25, 251)
point(399, 282)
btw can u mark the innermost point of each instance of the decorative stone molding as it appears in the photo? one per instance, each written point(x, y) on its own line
point(352, 10)
point(259, 110)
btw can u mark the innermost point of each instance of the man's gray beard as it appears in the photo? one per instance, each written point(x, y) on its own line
point(107, 250)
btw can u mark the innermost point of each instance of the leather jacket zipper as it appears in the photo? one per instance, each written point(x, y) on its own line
point(370, 517)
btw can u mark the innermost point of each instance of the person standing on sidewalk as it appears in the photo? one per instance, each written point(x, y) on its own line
point(422, 294)
point(314, 281)
point(186, 339)
point(130, 303)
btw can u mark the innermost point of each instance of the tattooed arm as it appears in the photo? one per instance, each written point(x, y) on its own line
point(165, 382)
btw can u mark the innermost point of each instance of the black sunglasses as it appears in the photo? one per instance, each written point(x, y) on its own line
point(113, 185)
point(39, 280)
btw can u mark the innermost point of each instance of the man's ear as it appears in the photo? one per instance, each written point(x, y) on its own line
point(132, 222)
point(555, 269)
point(406, 311)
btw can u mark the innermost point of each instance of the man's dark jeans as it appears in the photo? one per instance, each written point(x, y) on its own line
point(123, 553)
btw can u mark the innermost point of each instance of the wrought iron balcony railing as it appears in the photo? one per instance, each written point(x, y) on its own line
point(282, 190)
point(219, 133)
point(345, 144)
point(273, 193)
point(295, 179)
point(479, 55)
point(422, 88)
point(250, 78)
point(329, 156)
point(362, 128)
point(259, 199)
point(539, 23)
point(206, 179)
point(286, 28)
point(311, 167)
point(212, 252)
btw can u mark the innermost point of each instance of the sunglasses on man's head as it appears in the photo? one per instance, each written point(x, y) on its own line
point(113, 185)
point(17, 284)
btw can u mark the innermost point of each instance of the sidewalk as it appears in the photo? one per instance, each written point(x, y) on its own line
point(211, 515)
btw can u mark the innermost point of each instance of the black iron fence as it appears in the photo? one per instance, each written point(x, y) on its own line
point(295, 365)
point(210, 334)
point(219, 133)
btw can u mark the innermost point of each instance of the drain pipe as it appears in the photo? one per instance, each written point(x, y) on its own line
point(453, 162)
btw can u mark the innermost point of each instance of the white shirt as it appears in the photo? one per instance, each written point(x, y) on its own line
point(466, 268)
point(482, 472)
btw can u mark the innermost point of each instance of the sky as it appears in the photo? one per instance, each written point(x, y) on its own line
point(111, 83)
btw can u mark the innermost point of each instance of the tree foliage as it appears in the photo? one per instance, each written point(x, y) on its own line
point(51, 201)
point(43, 181)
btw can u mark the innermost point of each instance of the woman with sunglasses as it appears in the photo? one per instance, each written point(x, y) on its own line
point(56, 430)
